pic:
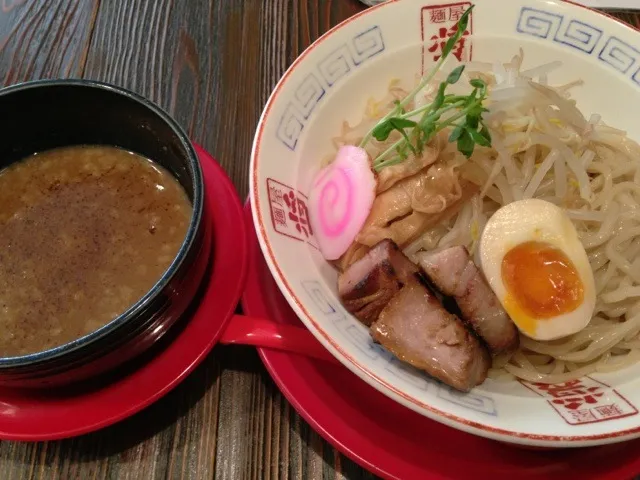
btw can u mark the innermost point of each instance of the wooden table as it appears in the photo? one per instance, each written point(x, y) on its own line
point(212, 64)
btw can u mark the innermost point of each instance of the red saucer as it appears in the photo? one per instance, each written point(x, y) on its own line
point(74, 411)
point(393, 441)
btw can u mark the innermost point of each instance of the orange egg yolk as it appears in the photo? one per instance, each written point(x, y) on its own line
point(542, 280)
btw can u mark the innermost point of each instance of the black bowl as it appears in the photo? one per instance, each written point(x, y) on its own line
point(42, 115)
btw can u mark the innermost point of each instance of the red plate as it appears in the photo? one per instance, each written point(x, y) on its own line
point(393, 441)
point(74, 411)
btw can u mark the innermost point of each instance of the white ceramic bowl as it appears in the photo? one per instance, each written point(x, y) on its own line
point(330, 82)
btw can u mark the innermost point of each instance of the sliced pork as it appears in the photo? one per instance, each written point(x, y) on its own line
point(453, 273)
point(368, 284)
point(417, 329)
point(354, 253)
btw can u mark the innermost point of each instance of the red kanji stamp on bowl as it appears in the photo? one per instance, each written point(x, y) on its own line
point(289, 213)
point(584, 401)
point(438, 23)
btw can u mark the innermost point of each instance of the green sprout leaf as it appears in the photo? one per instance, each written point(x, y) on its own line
point(478, 138)
point(461, 28)
point(466, 144)
point(383, 130)
point(456, 133)
point(478, 83)
point(462, 113)
point(428, 130)
point(484, 131)
point(455, 74)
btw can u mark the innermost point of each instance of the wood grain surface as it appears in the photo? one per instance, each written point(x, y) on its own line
point(212, 65)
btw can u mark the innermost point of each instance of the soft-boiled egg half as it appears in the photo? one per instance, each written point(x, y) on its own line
point(533, 259)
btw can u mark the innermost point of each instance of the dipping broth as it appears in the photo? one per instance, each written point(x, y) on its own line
point(85, 232)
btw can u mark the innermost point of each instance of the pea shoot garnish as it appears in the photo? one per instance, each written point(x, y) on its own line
point(418, 127)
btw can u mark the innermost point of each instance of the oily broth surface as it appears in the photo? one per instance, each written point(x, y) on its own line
point(85, 232)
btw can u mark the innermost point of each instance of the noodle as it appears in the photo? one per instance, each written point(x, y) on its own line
point(544, 147)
